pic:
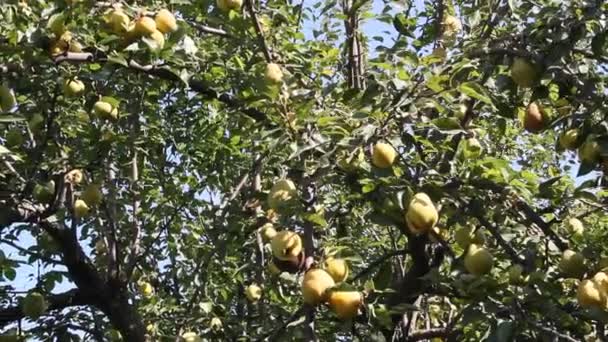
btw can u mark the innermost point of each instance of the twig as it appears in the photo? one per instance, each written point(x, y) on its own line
point(377, 262)
point(258, 30)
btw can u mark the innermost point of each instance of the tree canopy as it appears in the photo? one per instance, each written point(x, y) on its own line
point(354, 170)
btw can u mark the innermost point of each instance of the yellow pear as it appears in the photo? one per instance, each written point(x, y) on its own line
point(421, 214)
point(601, 280)
point(472, 148)
point(216, 324)
point(282, 194)
point(119, 21)
point(572, 264)
point(145, 26)
point(286, 245)
point(523, 73)
point(478, 260)
point(589, 295)
point(158, 38)
point(73, 87)
point(574, 226)
point(253, 292)
point(267, 232)
point(92, 194)
point(345, 304)
point(165, 21)
point(227, 5)
point(7, 98)
point(315, 284)
point(146, 289)
point(590, 151)
point(337, 269)
point(191, 337)
point(75, 177)
point(105, 110)
point(273, 73)
point(34, 305)
point(451, 26)
point(383, 155)
point(515, 274)
point(81, 209)
point(568, 140)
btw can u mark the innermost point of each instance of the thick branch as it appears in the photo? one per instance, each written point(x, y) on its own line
point(55, 301)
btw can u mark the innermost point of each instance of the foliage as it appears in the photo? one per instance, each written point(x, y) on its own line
point(190, 137)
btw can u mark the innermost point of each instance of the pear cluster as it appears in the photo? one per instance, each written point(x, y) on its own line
point(151, 29)
point(593, 293)
point(317, 288)
point(61, 40)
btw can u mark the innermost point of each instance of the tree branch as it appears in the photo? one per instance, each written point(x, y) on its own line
point(156, 71)
point(56, 302)
point(258, 30)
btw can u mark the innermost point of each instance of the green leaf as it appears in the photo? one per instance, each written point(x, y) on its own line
point(475, 91)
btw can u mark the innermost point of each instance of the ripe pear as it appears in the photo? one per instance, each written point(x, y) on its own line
point(253, 293)
point(590, 151)
point(463, 237)
point(534, 120)
point(286, 245)
point(472, 148)
point(92, 195)
point(282, 194)
point(227, 5)
point(572, 264)
point(383, 155)
point(478, 260)
point(73, 87)
point(7, 98)
point(191, 337)
point(345, 304)
point(45, 192)
point(574, 226)
point(105, 110)
point(315, 284)
point(145, 26)
point(267, 232)
point(146, 289)
point(75, 177)
point(81, 209)
point(34, 305)
point(337, 269)
point(515, 274)
point(119, 21)
point(601, 280)
point(589, 295)
point(273, 73)
point(523, 73)
point(568, 140)
point(216, 324)
point(159, 39)
point(165, 21)
point(421, 214)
